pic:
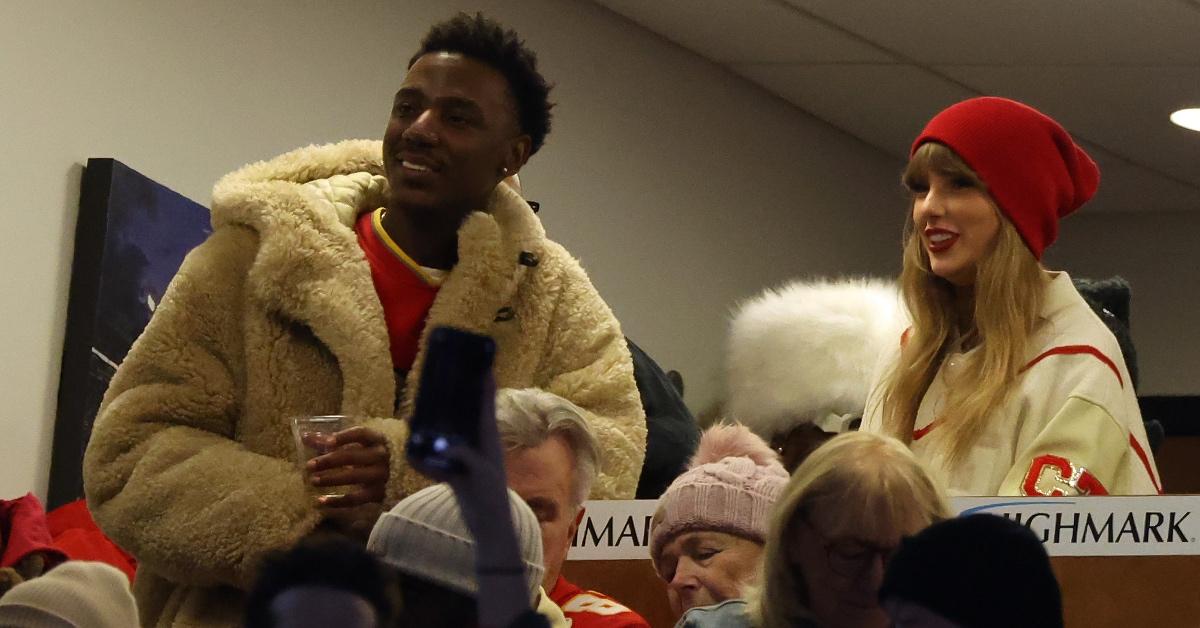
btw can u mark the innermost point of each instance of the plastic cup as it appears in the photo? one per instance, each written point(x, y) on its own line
point(309, 432)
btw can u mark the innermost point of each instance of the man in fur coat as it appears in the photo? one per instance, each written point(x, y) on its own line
point(325, 271)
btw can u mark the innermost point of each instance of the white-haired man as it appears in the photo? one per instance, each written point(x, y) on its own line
point(551, 459)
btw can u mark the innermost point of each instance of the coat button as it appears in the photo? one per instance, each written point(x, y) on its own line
point(528, 258)
point(505, 314)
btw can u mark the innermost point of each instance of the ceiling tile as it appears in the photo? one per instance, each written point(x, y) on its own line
point(758, 31)
point(1128, 188)
point(887, 105)
point(1124, 109)
point(884, 105)
point(1110, 70)
point(1125, 32)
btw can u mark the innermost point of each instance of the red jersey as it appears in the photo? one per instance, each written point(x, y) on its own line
point(589, 609)
point(405, 289)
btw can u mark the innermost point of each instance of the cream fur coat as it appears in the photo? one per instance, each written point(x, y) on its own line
point(191, 465)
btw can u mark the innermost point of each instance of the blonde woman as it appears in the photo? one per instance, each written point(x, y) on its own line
point(1006, 383)
point(835, 526)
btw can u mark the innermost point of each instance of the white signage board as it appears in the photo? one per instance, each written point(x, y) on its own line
point(1082, 526)
point(614, 530)
point(1101, 526)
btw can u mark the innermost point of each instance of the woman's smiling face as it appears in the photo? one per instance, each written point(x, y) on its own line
point(957, 224)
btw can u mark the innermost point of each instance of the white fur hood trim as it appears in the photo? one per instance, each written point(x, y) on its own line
point(807, 350)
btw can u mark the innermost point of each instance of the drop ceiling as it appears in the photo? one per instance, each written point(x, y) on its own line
point(1111, 71)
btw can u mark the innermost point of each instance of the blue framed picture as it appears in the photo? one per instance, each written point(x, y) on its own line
point(130, 240)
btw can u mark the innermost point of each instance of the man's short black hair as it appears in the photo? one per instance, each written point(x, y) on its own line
point(485, 40)
point(324, 560)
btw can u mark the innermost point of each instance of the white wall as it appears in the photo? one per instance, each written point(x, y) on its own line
point(681, 187)
point(1156, 252)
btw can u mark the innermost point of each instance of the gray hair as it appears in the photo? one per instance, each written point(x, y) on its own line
point(529, 417)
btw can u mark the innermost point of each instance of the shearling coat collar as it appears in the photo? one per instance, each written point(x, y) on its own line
point(303, 205)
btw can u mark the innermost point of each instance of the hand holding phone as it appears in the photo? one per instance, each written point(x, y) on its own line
point(450, 400)
point(454, 439)
point(453, 436)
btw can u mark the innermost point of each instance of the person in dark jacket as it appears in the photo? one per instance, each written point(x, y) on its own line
point(980, 571)
point(325, 579)
point(1109, 299)
point(672, 434)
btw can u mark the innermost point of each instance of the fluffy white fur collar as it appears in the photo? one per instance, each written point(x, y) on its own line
point(807, 350)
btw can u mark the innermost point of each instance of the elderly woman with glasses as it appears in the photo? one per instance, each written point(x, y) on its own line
point(836, 525)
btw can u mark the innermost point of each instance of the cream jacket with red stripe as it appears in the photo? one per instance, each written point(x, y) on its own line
point(191, 465)
point(1072, 426)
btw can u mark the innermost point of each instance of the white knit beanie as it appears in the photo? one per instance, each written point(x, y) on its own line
point(79, 594)
point(806, 352)
point(425, 536)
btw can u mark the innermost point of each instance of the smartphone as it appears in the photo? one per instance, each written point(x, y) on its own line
point(449, 396)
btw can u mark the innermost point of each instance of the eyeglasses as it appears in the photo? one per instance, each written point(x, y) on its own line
point(850, 557)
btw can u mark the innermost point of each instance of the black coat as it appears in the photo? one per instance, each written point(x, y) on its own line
point(671, 431)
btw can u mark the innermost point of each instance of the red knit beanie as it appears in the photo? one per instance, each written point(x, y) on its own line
point(1032, 167)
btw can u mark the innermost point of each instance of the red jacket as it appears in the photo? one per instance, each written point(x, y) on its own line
point(76, 534)
point(23, 531)
point(589, 609)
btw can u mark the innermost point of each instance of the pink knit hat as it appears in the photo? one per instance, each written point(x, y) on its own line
point(730, 486)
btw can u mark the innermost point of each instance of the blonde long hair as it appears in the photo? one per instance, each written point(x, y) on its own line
point(1008, 293)
point(862, 481)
